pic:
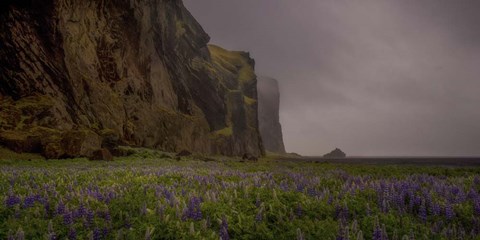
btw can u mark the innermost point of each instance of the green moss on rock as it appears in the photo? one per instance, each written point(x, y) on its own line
point(226, 132)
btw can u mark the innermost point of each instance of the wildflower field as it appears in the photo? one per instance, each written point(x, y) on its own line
point(157, 197)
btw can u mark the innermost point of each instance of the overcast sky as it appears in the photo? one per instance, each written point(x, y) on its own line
point(372, 77)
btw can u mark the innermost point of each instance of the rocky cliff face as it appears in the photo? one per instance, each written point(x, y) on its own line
point(268, 111)
point(134, 71)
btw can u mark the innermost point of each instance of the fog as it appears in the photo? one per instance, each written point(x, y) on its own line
point(372, 77)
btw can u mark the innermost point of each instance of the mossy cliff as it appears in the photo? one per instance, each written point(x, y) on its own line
point(141, 70)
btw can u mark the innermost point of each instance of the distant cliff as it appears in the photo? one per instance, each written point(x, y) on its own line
point(76, 74)
point(268, 111)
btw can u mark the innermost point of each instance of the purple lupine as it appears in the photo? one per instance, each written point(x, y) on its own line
point(81, 211)
point(449, 213)
point(29, 201)
point(60, 208)
point(224, 230)
point(422, 213)
point(72, 234)
point(338, 211)
point(97, 234)
point(89, 218)
point(107, 216)
point(52, 236)
point(105, 232)
point(68, 218)
point(46, 206)
point(476, 206)
point(259, 216)
point(193, 210)
point(341, 233)
point(436, 209)
point(12, 200)
point(476, 180)
point(377, 233)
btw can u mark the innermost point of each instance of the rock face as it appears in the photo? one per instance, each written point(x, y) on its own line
point(140, 70)
point(268, 114)
point(102, 155)
point(337, 153)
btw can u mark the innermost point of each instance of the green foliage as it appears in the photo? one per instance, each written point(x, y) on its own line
point(150, 192)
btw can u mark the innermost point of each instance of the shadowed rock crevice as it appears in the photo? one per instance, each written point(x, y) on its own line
point(139, 69)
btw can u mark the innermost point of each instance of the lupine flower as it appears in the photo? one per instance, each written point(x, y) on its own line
point(81, 211)
point(12, 200)
point(476, 206)
point(377, 233)
point(193, 210)
point(60, 208)
point(422, 213)
point(105, 232)
point(72, 234)
point(29, 201)
point(89, 218)
point(449, 213)
point(259, 216)
point(68, 218)
point(224, 230)
point(52, 236)
point(97, 234)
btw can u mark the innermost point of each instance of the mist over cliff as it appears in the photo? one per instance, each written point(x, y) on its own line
point(268, 114)
point(75, 73)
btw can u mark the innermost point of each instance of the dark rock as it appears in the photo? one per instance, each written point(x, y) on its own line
point(101, 155)
point(337, 153)
point(71, 144)
point(268, 115)
point(184, 153)
point(110, 139)
point(249, 157)
point(164, 88)
point(122, 152)
point(19, 141)
point(53, 150)
point(80, 143)
point(206, 159)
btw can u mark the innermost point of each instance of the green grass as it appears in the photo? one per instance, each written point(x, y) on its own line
point(150, 194)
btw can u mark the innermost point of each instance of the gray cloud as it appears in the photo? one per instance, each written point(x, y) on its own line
point(373, 77)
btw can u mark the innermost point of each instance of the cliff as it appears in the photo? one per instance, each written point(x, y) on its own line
point(268, 111)
point(76, 75)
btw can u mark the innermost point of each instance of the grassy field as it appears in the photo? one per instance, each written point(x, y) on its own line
point(152, 196)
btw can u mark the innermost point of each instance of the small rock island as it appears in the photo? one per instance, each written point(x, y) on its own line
point(337, 153)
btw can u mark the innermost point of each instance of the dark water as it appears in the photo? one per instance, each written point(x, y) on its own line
point(433, 161)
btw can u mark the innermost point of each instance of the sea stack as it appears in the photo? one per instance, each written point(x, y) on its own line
point(337, 153)
point(268, 114)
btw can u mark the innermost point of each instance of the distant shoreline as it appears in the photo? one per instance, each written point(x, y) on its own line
point(431, 161)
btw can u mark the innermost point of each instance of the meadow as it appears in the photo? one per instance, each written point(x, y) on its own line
point(153, 196)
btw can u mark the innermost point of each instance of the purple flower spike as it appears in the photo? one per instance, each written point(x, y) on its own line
point(449, 213)
point(193, 210)
point(12, 200)
point(68, 218)
point(224, 230)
